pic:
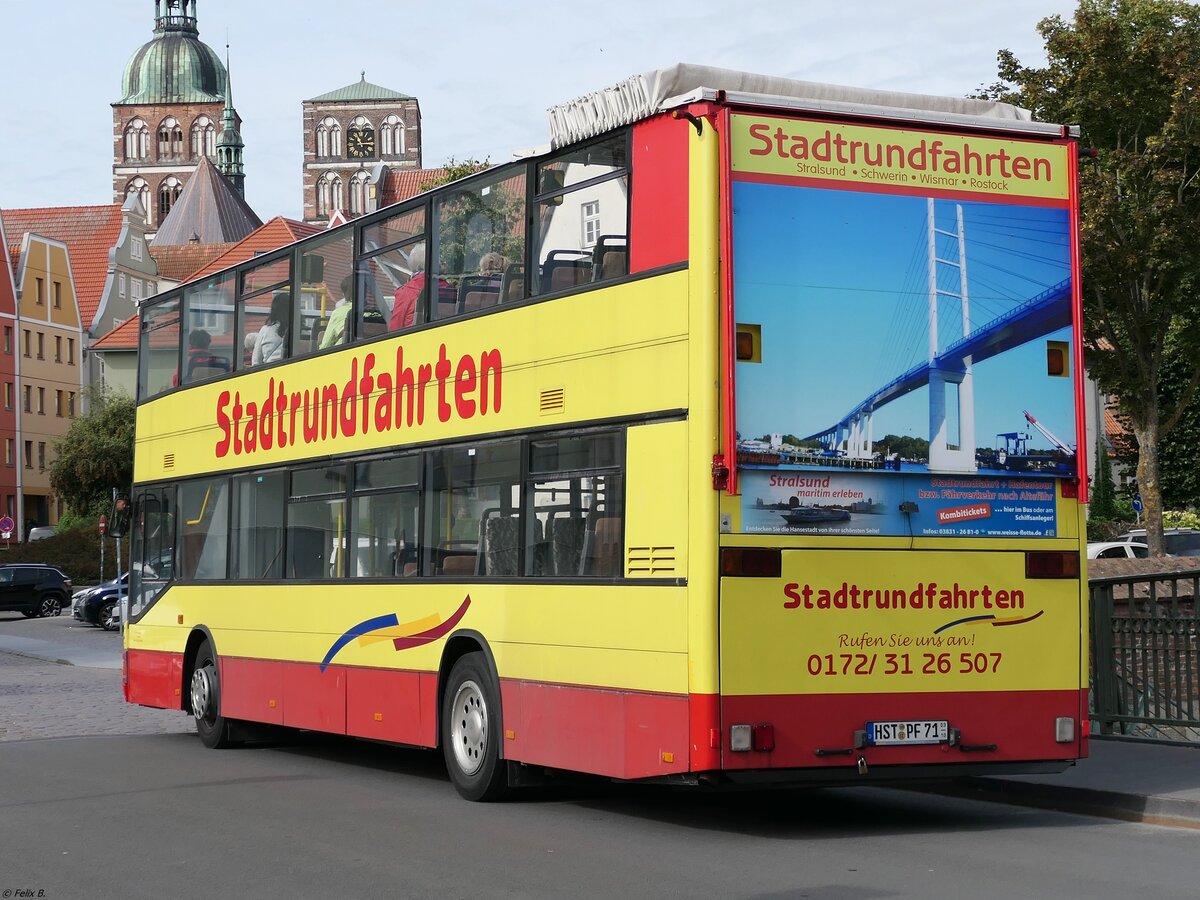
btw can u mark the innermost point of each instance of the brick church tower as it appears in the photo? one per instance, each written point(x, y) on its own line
point(174, 109)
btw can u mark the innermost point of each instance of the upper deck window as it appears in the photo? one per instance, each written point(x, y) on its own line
point(208, 329)
point(583, 216)
point(318, 319)
point(158, 349)
point(393, 256)
point(478, 244)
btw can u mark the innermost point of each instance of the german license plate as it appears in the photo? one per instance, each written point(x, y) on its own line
point(924, 731)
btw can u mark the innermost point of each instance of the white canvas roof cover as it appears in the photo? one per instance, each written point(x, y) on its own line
point(644, 95)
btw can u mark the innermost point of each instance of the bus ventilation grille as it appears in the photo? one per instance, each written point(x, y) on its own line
point(168, 460)
point(553, 401)
point(651, 561)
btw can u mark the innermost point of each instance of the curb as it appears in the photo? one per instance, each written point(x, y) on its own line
point(1169, 812)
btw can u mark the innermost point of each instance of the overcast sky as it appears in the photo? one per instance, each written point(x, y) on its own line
point(484, 73)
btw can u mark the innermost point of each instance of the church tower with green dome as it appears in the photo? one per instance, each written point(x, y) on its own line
point(172, 113)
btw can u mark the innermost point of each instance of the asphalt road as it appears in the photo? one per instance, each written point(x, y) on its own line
point(133, 806)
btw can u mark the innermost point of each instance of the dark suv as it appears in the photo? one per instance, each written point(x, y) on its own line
point(34, 589)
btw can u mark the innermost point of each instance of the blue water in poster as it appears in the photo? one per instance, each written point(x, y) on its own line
point(874, 504)
point(904, 335)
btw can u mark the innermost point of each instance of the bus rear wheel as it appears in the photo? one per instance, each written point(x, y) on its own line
point(205, 694)
point(471, 731)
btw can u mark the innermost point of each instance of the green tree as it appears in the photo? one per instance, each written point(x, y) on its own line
point(1127, 71)
point(454, 169)
point(96, 455)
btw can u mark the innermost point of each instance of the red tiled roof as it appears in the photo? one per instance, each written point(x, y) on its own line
point(177, 261)
point(123, 337)
point(400, 184)
point(276, 233)
point(89, 233)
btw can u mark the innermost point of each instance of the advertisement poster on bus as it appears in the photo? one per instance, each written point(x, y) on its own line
point(904, 303)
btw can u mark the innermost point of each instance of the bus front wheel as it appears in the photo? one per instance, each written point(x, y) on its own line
point(205, 693)
point(471, 731)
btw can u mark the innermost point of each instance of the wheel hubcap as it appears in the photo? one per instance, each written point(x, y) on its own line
point(50, 607)
point(202, 693)
point(469, 727)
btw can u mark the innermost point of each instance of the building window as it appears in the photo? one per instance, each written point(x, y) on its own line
point(28, 394)
point(358, 193)
point(58, 403)
point(590, 215)
point(70, 351)
point(8, 339)
point(137, 140)
point(121, 284)
point(10, 448)
point(70, 404)
point(58, 348)
point(41, 401)
point(141, 190)
point(28, 341)
point(391, 136)
point(329, 138)
point(170, 139)
point(204, 138)
point(135, 285)
point(329, 194)
point(168, 193)
point(42, 456)
point(135, 248)
point(39, 292)
point(41, 345)
point(29, 454)
point(8, 395)
point(57, 287)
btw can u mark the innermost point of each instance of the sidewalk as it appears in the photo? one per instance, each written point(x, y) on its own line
point(1134, 780)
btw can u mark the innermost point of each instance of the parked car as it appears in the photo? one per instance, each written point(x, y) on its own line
point(1117, 550)
point(34, 589)
point(101, 605)
point(1176, 541)
point(41, 532)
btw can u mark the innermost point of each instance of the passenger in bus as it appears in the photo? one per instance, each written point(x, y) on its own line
point(407, 295)
point(335, 330)
point(492, 265)
point(201, 361)
point(248, 352)
point(272, 341)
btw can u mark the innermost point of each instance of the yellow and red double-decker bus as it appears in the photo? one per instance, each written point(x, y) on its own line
point(732, 440)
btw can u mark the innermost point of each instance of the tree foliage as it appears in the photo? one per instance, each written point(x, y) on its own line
point(95, 456)
point(455, 169)
point(1127, 71)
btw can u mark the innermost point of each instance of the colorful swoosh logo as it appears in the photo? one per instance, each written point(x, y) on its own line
point(1018, 620)
point(403, 636)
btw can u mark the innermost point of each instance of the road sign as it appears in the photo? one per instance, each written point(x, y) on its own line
point(103, 525)
point(7, 524)
point(1137, 503)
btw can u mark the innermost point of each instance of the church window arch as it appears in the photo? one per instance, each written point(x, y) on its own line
point(139, 188)
point(329, 194)
point(329, 137)
point(170, 139)
point(168, 193)
point(204, 137)
point(137, 140)
point(358, 192)
point(391, 136)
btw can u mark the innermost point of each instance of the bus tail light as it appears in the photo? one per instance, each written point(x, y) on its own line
point(751, 562)
point(1051, 564)
point(1064, 729)
point(743, 738)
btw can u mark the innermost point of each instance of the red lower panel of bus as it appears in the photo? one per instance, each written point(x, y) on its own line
point(621, 734)
point(626, 734)
point(1019, 723)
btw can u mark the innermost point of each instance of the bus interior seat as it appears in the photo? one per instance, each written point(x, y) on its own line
point(477, 292)
point(410, 569)
point(501, 543)
point(459, 564)
point(564, 269)
point(566, 544)
point(512, 284)
point(602, 547)
point(374, 323)
point(610, 257)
